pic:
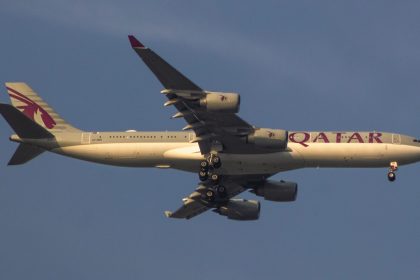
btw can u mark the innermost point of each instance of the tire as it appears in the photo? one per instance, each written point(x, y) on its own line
point(214, 177)
point(204, 165)
point(391, 176)
point(203, 176)
point(217, 163)
point(216, 159)
point(210, 195)
point(221, 190)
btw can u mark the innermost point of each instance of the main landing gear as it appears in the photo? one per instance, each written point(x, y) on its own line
point(208, 174)
point(208, 167)
point(393, 166)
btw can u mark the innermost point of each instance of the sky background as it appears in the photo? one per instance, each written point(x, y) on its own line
point(298, 65)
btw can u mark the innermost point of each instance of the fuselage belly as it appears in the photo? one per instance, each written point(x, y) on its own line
point(186, 156)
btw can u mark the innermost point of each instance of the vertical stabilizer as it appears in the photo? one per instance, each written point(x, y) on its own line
point(29, 103)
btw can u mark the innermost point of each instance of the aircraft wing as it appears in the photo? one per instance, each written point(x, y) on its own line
point(226, 129)
point(194, 204)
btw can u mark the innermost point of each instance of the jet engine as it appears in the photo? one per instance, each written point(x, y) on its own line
point(240, 209)
point(221, 102)
point(269, 138)
point(277, 191)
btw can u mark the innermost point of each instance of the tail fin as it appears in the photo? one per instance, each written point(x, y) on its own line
point(28, 102)
point(31, 118)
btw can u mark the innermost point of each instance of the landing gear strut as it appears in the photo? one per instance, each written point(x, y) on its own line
point(393, 166)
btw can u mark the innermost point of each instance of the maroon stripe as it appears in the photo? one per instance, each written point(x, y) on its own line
point(21, 99)
point(20, 94)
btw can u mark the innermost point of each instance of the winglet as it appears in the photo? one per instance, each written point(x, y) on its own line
point(168, 214)
point(135, 43)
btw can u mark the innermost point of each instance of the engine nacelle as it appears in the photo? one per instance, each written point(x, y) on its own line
point(240, 209)
point(269, 138)
point(221, 102)
point(278, 191)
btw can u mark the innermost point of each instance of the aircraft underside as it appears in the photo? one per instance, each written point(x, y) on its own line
point(187, 157)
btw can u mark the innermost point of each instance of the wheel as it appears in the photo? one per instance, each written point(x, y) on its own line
point(203, 176)
point(221, 190)
point(217, 163)
point(204, 165)
point(391, 176)
point(209, 195)
point(214, 177)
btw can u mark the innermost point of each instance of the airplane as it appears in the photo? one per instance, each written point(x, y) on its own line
point(229, 155)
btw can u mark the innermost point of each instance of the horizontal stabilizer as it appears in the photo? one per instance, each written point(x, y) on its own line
point(21, 124)
point(25, 153)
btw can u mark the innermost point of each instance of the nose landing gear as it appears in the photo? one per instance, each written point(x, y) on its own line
point(393, 166)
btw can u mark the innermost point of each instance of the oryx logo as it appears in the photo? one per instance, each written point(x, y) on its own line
point(30, 108)
point(271, 134)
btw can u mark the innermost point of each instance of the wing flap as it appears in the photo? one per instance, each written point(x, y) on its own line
point(189, 210)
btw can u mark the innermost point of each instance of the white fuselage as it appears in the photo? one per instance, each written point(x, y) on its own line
point(180, 154)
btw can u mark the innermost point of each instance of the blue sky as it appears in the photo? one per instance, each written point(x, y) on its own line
point(299, 65)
